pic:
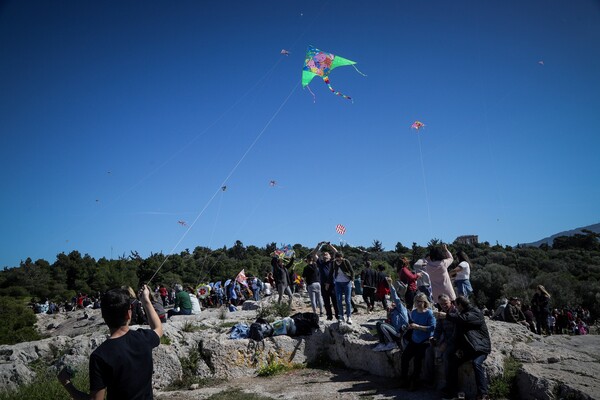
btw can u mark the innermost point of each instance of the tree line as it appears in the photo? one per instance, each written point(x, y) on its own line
point(569, 269)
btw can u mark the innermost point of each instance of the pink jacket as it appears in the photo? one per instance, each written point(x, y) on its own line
point(440, 279)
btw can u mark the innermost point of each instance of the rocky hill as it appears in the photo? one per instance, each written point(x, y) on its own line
point(552, 367)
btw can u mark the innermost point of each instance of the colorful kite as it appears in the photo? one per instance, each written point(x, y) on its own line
point(417, 125)
point(341, 229)
point(285, 52)
point(320, 63)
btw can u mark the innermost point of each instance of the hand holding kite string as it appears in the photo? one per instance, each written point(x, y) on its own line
point(320, 63)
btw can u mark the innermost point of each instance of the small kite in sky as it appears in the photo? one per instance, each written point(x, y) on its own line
point(223, 188)
point(273, 183)
point(341, 229)
point(320, 63)
point(285, 52)
point(541, 62)
point(182, 223)
point(417, 125)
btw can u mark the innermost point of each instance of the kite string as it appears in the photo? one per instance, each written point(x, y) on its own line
point(424, 182)
point(183, 236)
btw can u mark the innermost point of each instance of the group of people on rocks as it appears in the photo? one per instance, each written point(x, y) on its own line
point(540, 318)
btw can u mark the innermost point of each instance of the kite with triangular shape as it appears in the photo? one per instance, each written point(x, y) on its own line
point(320, 63)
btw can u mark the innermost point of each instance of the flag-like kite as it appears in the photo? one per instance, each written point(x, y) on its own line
point(241, 278)
point(341, 229)
point(417, 125)
point(320, 63)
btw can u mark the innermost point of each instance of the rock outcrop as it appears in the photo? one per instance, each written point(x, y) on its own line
point(552, 367)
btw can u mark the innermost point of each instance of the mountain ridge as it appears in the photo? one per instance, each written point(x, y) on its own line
point(550, 239)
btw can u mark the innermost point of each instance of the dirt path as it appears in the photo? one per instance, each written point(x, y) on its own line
point(312, 384)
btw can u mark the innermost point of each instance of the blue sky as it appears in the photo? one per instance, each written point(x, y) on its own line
point(119, 119)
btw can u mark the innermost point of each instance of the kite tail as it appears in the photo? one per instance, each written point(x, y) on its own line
point(313, 95)
point(358, 70)
point(326, 79)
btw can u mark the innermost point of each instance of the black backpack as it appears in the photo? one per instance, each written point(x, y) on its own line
point(260, 329)
point(305, 323)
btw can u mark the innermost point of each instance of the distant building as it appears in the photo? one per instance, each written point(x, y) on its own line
point(467, 239)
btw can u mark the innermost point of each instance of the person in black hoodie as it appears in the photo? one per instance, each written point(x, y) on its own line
point(472, 341)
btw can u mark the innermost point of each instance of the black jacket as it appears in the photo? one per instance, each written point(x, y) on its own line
point(471, 334)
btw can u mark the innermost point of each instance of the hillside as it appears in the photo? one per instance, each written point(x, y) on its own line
point(548, 240)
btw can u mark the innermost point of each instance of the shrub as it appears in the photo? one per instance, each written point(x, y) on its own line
point(504, 386)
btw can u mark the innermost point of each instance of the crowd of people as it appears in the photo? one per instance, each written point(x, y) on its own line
point(429, 310)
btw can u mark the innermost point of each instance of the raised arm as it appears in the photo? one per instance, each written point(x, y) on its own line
point(151, 314)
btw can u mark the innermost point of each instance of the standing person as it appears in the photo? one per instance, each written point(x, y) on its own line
point(423, 282)
point(122, 364)
point(541, 309)
point(437, 268)
point(409, 278)
point(383, 288)
point(282, 278)
point(325, 264)
point(344, 279)
point(421, 330)
point(472, 341)
point(313, 283)
point(368, 281)
point(462, 274)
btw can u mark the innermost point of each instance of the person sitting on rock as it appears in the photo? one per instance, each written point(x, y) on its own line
point(421, 329)
point(513, 313)
point(472, 343)
point(122, 364)
point(390, 334)
point(183, 304)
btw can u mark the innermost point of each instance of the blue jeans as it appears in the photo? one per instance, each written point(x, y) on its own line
point(463, 287)
point(477, 360)
point(344, 289)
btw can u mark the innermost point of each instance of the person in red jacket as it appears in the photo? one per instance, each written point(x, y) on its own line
point(408, 277)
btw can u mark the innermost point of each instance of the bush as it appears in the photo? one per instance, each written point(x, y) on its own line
point(46, 386)
point(18, 322)
point(503, 387)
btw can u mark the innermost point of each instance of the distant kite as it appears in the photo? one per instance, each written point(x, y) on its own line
point(273, 183)
point(417, 125)
point(341, 229)
point(223, 188)
point(320, 63)
point(182, 223)
point(285, 52)
point(541, 62)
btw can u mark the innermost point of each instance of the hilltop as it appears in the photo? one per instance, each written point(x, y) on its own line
point(198, 347)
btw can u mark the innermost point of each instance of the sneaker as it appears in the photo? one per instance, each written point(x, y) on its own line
point(379, 347)
point(390, 346)
point(349, 321)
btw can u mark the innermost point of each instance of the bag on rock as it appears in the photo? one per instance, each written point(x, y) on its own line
point(260, 329)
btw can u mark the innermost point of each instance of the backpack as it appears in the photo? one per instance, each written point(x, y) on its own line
point(305, 323)
point(260, 329)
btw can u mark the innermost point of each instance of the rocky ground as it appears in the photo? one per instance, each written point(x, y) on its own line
point(552, 367)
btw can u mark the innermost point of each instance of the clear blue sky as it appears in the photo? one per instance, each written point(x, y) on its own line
point(120, 118)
